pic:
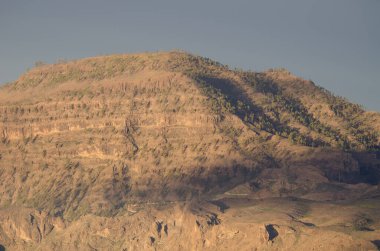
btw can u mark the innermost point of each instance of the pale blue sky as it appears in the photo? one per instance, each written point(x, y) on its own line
point(336, 43)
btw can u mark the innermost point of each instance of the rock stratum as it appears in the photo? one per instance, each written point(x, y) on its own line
point(171, 151)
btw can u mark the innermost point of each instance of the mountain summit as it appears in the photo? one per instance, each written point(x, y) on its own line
point(128, 151)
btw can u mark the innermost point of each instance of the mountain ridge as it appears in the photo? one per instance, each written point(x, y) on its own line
point(185, 62)
point(97, 138)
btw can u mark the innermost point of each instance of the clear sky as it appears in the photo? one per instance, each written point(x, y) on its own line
point(335, 43)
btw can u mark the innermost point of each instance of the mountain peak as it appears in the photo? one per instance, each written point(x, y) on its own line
point(106, 137)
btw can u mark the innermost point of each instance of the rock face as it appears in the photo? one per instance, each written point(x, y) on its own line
point(91, 149)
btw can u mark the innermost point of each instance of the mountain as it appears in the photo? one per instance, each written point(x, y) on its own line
point(172, 151)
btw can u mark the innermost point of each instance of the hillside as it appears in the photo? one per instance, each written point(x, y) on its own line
point(106, 153)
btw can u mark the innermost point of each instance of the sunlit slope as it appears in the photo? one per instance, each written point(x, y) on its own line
point(92, 135)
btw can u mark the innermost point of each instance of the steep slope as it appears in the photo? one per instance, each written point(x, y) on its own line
point(93, 137)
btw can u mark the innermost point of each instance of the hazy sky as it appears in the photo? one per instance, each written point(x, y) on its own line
point(336, 43)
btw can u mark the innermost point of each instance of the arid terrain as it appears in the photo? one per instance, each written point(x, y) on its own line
point(171, 151)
